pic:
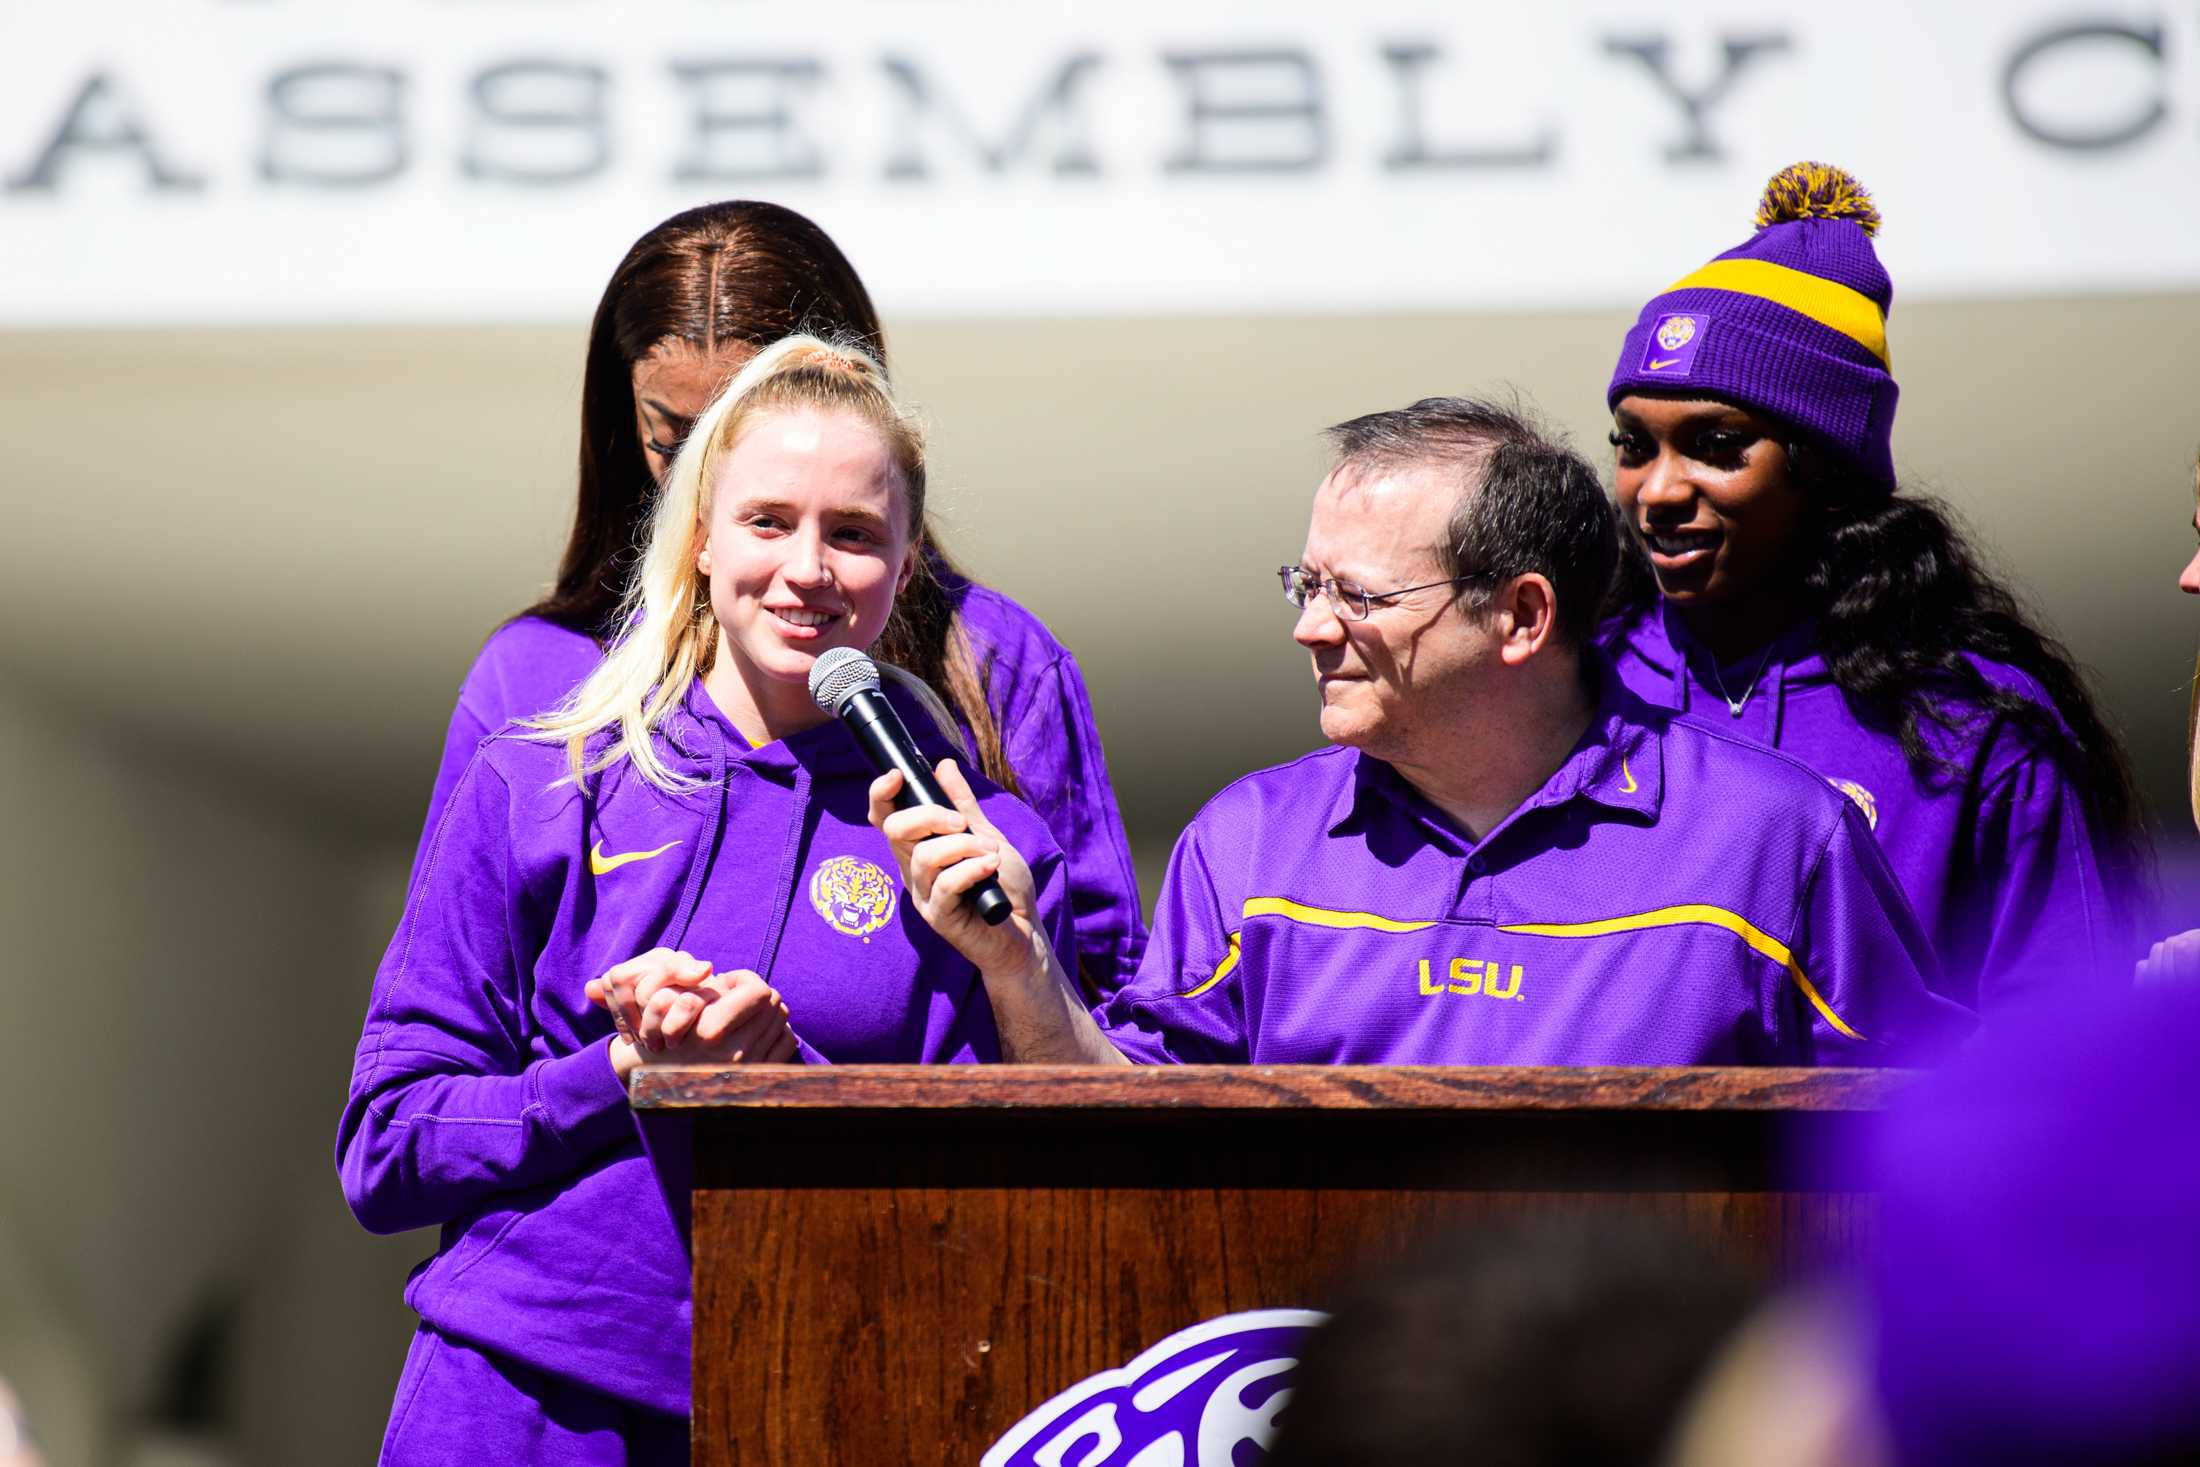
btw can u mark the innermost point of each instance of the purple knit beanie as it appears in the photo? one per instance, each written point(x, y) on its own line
point(1792, 322)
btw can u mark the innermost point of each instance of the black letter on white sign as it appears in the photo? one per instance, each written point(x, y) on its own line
point(1279, 126)
point(2141, 122)
point(335, 124)
point(1073, 153)
point(754, 137)
point(552, 116)
point(97, 121)
point(1412, 152)
point(1654, 52)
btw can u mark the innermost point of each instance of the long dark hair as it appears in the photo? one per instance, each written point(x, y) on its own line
point(1903, 602)
point(740, 271)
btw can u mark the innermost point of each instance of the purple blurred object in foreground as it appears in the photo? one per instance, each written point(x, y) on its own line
point(2039, 1289)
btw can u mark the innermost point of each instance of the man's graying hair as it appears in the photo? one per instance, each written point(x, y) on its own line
point(1527, 502)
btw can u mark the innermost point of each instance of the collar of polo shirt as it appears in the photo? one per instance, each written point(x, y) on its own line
point(1619, 763)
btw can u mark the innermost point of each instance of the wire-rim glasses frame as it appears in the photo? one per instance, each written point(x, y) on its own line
point(1352, 602)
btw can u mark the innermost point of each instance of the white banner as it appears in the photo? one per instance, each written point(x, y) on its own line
point(234, 161)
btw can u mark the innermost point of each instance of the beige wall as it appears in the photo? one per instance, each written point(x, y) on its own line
point(244, 571)
point(288, 568)
point(186, 965)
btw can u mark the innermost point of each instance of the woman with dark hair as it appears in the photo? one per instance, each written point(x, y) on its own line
point(1779, 585)
point(681, 842)
point(692, 302)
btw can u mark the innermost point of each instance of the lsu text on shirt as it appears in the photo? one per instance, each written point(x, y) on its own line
point(1670, 896)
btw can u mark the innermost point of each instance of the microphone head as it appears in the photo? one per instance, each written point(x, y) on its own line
point(840, 673)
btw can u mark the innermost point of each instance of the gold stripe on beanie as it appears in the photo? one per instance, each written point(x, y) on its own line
point(1828, 302)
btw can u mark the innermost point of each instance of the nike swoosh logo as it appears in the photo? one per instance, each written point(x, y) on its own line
point(600, 864)
point(1658, 366)
point(1629, 775)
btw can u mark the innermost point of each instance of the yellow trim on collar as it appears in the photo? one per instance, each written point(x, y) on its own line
point(1828, 302)
point(1695, 915)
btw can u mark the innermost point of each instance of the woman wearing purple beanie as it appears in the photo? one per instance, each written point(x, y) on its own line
point(694, 299)
point(1781, 586)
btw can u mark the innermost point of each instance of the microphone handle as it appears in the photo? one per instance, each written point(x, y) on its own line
point(885, 741)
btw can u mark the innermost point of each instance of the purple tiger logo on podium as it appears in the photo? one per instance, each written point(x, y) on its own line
point(1207, 1396)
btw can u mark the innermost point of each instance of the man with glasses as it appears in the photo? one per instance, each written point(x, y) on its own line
point(1504, 857)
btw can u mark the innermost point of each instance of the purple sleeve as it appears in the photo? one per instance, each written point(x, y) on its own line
point(1054, 747)
point(445, 1106)
point(467, 729)
point(1057, 910)
point(525, 667)
point(2044, 921)
point(1050, 872)
point(1858, 969)
point(1187, 1004)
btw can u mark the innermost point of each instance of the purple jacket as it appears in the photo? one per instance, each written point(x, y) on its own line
point(482, 1094)
point(1033, 687)
point(1996, 858)
point(1671, 896)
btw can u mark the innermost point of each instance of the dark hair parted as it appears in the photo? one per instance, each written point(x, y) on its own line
point(1903, 603)
point(1527, 502)
point(746, 272)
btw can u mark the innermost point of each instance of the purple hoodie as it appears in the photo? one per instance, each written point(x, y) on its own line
point(1996, 858)
point(482, 1093)
point(1033, 687)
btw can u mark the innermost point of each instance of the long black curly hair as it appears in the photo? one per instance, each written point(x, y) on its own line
point(1903, 602)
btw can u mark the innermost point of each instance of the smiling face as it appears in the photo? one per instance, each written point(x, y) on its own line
point(1707, 487)
point(672, 386)
point(1388, 684)
point(806, 541)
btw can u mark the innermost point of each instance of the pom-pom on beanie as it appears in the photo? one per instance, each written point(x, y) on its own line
point(1792, 322)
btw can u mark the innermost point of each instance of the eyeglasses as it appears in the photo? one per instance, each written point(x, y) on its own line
point(1351, 602)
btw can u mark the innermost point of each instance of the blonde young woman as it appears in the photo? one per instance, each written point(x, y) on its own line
point(684, 841)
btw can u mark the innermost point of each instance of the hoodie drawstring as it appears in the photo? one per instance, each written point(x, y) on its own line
point(706, 849)
point(789, 866)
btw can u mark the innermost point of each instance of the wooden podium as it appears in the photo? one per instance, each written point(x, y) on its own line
point(894, 1264)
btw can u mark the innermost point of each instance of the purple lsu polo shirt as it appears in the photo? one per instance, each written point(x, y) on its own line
point(1033, 686)
point(1671, 896)
point(482, 1095)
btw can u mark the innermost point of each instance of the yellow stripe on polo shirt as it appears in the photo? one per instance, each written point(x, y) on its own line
point(1299, 912)
point(1326, 916)
point(1222, 970)
point(1828, 302)
point(1695, 916)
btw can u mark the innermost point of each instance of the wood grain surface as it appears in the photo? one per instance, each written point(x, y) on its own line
point(1260, 1087)
point(899, 1280)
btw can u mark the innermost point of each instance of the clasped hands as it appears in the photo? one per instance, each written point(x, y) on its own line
point(673, 1008)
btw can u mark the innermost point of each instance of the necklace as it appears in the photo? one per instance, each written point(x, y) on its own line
point(1735, 705)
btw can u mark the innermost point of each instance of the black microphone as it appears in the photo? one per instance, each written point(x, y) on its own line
point(844, 683)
